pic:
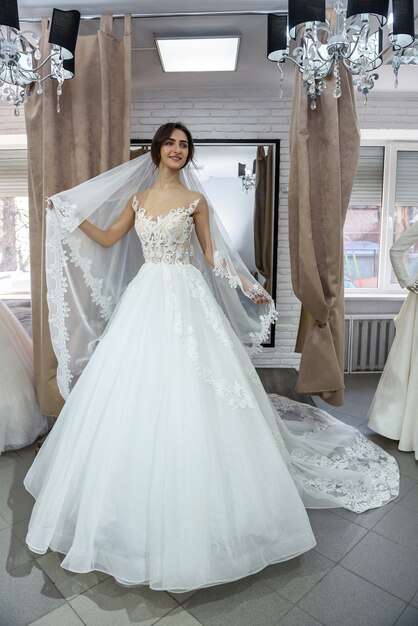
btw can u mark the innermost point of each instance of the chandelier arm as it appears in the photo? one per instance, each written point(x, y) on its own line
point(26, 74)
point(348, 63)
point(45, 61)
point(301, 67)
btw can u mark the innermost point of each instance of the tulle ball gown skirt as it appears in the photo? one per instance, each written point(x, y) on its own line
point(163, 468)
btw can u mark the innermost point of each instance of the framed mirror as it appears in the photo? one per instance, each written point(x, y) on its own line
point(241, 178)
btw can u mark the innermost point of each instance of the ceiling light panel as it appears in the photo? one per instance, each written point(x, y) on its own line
point(198, 54)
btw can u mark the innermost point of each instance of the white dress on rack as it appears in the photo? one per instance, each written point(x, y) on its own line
point(394, 411)
point(21, 421)
point(169, 465)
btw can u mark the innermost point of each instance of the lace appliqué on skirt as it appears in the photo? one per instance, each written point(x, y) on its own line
point(236, 394)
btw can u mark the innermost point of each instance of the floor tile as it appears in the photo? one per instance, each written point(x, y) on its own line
point(411, 499)
point(387, 564)
point(27, 454)
point(296, 577)
point(358, 396)
point(344, 599)
point(27, 594)
point(3, 523)
point(68, 583)
point(20, 529)
point(64, 616)
point(247, 602)
point(408, 465)
point(178, 617)
point(368, 519)
point(335, 535)
point(297, 617)
point(409, 617)
point(12, 552)
point(401, 525)
point(414, 601)
point(15, 502)
point(383, 442)
point(340, 413)
point(182, 597)
point(108, 604)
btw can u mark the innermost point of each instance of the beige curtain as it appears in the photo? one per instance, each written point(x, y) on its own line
point(324, 146)
point(90, 135)
point(263, 214)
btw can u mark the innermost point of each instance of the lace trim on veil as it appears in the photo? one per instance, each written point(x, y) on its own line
point(58, 306)
point(334, 462)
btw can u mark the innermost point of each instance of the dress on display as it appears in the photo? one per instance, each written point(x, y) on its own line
point(394, 411)
point(169, 465)
point(21, 420)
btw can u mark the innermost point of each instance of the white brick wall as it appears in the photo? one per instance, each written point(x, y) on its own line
point(10, 124)
point(239, 114)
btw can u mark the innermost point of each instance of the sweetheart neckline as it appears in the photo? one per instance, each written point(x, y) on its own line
point(159, 218)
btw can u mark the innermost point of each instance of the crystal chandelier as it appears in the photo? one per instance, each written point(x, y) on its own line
point(351, 39)
point(247, 177)
point(20, 56)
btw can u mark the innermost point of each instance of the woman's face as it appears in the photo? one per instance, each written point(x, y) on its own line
point(175, 150)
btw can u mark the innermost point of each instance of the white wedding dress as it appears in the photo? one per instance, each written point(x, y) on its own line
point(394, 410)
point(21, 421)
point(169, 465)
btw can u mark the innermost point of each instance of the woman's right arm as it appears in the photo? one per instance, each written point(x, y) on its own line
point(106, 238)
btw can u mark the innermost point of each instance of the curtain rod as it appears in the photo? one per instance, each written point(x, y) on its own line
point(183, 14)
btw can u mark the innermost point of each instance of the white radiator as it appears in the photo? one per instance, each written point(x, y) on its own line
point(367, 342)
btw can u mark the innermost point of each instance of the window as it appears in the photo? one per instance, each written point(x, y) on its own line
point(14, 223)
point(362, 228)
point(384, 202)
point(406, 204)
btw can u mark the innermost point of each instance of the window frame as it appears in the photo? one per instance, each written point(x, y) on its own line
point(391, 144)
point(15, 143)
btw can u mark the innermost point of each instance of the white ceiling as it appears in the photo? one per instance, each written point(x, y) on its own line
point(254, 70)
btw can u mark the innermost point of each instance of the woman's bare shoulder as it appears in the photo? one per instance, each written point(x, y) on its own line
point(143, 193)
point(194, 195)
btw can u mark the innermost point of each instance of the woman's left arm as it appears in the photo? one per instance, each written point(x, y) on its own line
point(201, 220)
point(202, 225)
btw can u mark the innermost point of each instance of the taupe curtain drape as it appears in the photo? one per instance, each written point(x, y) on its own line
point(90, 135)
point(324, 146)
point(263, 214)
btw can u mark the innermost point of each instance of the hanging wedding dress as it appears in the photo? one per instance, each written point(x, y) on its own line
point(394, 411)
point(169, 465)
point(21, 421)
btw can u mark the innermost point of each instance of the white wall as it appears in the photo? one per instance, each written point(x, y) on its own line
point(254, 114)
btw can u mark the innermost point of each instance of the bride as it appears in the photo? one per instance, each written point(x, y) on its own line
point(169, 465)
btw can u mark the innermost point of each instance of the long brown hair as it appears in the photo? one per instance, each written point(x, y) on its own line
point(164, 133)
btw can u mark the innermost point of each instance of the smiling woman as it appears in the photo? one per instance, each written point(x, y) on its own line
point(247, 204)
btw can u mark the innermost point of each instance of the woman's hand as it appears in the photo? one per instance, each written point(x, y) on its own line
point(413, 287)
point(258, 295)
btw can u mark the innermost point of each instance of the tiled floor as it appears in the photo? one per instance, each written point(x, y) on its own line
point(363, 571)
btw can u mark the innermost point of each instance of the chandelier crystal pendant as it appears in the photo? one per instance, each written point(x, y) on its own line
point(20, 56)
point(352, 38)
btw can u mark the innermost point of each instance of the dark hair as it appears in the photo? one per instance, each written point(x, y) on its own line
point(164, 133)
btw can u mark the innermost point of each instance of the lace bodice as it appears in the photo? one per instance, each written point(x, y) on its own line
point(166, 238)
